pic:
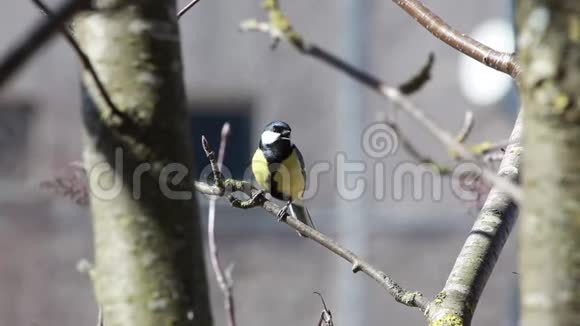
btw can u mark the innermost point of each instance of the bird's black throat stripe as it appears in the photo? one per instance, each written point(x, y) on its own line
point(275, 154)
point(274, 189)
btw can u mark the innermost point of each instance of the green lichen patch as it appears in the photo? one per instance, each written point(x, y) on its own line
point(440, 297)
point(449, 319)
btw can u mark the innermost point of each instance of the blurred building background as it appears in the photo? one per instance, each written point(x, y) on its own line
point(236, 77)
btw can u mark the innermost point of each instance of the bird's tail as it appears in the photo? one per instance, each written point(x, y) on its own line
point(298, 210)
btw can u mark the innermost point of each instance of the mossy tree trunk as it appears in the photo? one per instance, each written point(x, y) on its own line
point(549, 41)
point(149, 266)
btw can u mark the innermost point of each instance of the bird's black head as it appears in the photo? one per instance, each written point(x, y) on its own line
point(275, 132)
point(275, 139)
point(280, 127)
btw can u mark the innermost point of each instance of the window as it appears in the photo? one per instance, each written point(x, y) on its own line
point(208, 117)
point(15, 119)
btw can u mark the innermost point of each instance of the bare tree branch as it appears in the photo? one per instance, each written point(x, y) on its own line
point(284, 30)
point(416, 153)
point(223, 279)
point(468, 124)
point(186, 8)
point(40, 34)
point(85, 61)
point(420, 157)
point(417, 82)
point(100, 321)
point(483, 245)
point(224, 136)
point(226, 188)
point(486, 148)
point(501, 61)
point(325, 315)
point(218, 177)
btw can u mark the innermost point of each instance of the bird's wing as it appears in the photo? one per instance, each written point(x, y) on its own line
point(297, 207)
point(301, 160)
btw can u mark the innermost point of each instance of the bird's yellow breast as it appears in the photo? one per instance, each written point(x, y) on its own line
point(288, 178)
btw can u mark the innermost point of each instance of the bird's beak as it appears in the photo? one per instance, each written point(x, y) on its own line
point(285, 135)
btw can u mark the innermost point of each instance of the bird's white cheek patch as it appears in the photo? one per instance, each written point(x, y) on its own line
point(268, 137)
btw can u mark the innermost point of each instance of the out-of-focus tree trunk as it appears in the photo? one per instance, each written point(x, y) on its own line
point(549, 41)
point(149, 266)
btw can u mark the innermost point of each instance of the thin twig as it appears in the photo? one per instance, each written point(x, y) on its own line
point(417, 82)
point(224, 281)
point(85, 61)
point(488, 147)
point(420, 157)
point(225, 134)
point(396, 96)
point(215, 167)
point(326, 315)
point(100, 320)
point(415, 153)
point(468, 124)
point(501, 61)
point(186, 8)
point(258, 199)
point(40, 34)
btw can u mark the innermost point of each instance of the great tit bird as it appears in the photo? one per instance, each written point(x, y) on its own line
point(278, 167)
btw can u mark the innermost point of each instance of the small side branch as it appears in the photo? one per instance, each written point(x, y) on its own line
point(186, 8)
point(100, 321)
point(417, 82)
point(85, 61)
point(468, 124)
point(215, 166)
point(407, 144)
point(43, 31)
point(416, 153)
point(501, 61)
point(326, 315)
point(223, 278)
